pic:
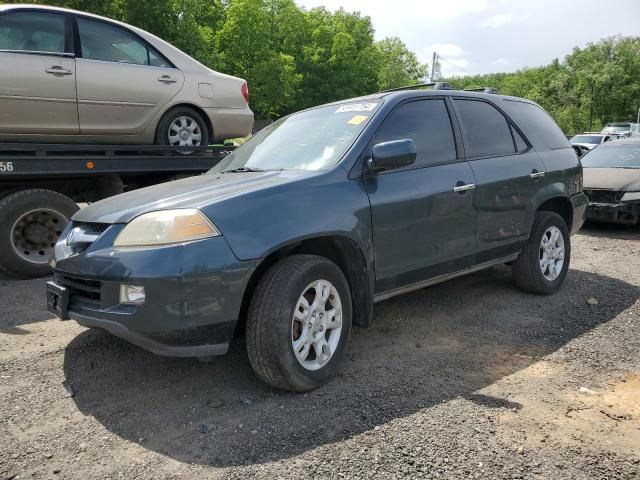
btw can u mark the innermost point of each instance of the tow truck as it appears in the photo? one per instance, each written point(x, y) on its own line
point(41, 186)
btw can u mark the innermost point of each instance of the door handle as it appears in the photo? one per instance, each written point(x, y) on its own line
point(537, 174)
point(462, 187)
point(58, 70)
point(166, 79)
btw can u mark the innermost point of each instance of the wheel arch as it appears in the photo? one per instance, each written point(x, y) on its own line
point(341, 250)
point(560, 205)
point(192, 106)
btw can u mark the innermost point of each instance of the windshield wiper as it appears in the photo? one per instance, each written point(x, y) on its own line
point(244, 169)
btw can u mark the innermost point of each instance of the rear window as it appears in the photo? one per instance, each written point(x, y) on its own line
point(536, 124)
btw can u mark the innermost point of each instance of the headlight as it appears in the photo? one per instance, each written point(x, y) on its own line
point(165, 227)
point(631, 196)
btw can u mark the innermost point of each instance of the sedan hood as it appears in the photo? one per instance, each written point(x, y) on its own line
point(617, 179)
point(193, 192)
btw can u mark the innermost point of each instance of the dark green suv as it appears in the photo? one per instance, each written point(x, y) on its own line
point(293, 237)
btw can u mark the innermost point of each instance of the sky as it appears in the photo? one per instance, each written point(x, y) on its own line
point(480, 36)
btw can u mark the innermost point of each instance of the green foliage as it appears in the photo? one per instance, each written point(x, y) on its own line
point(591, 87)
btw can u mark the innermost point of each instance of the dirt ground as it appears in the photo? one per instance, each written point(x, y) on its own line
point(468, 379)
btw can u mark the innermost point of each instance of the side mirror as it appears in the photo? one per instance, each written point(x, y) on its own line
point(392, 155)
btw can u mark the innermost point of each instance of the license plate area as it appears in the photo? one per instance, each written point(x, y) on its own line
point(57, 300)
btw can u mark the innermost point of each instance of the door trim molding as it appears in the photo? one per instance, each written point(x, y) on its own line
point(442, 278)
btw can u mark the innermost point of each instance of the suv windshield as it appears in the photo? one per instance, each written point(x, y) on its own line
point(311, 140)
point(612, 157)
point(590, 139)
point(617, 127)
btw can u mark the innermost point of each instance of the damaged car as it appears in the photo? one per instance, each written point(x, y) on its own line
point(612, 182)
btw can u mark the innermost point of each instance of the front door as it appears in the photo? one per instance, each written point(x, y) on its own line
point(422, 228)
point(122, 81)
point(37, 77)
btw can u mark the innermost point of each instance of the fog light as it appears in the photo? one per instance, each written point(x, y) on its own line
point(132, 294)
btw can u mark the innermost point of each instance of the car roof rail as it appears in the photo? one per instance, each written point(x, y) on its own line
point(433, 85)
point(491, 90)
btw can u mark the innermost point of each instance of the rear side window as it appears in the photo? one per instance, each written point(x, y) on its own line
point(485, 131)
point(536, 124)
point(427, 123)
point(110, 43)
point(32, 32)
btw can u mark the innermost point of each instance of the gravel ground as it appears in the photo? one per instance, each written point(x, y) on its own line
point(468, 379)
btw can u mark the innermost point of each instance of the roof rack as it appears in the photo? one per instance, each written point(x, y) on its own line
point(442, 86)
point(434, 85)
point(483, 90)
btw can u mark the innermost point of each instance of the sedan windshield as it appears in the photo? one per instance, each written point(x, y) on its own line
point(613, 157)
point(311, 140)
point(590, 139)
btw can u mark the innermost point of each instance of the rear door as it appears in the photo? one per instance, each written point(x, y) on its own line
point(122, 81)
point(422, 228)
point(37, 75)
point(508, 174)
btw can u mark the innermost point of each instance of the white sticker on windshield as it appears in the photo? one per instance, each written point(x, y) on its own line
point(356, 107)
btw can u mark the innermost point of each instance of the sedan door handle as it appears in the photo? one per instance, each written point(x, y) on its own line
point(463, 187)
point(58, 70)
point(537, 174)
point(167, 79)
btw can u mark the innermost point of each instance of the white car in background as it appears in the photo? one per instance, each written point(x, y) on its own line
point(72, 77)
point(590, 140)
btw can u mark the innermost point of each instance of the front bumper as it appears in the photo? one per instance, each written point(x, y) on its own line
point(194, 293)
point(627, 213)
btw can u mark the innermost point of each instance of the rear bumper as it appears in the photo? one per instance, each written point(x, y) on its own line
point(230, 122)
point(579, 203)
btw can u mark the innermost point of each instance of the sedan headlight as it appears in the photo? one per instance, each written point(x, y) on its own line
point(165, 227)
point(631, 196)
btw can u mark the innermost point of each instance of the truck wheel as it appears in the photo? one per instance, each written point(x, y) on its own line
point(544, 261)
point(30, 223)
point(182, 127)
point(298, 323)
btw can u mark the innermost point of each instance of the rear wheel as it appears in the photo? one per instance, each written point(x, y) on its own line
point(30, 223)
point(299, 322)
point(544, 261)
point(182, 127)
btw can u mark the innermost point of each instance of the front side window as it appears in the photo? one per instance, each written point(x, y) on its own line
point(110, 43)
point(427, 123)
point(32, 32)
point(485, 131)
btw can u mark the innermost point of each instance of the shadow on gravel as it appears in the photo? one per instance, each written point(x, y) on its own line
point(23, 302)
point(424, 348)
point(611, 230)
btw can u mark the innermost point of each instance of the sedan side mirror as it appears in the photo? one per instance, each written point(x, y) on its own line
point(392, 155)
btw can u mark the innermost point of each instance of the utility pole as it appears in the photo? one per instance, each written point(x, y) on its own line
point(435, 67)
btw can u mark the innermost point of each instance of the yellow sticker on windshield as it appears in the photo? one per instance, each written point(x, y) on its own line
point(357, 119)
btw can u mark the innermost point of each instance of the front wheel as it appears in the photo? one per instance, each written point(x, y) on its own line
point(544, 261)
point(298, 323)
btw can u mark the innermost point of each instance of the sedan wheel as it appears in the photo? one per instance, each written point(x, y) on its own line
point(184, 132)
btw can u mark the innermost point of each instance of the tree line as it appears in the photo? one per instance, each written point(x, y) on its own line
point(592, 86)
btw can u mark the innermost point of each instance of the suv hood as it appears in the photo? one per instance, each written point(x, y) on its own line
point(617, 179)
point(193, 192)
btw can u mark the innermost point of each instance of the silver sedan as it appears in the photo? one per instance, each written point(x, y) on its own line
point(69, 76)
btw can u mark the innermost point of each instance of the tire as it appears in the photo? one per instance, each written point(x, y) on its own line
point(528, 270)
point(173, 115)
point(272, 329)
point(29, 216)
